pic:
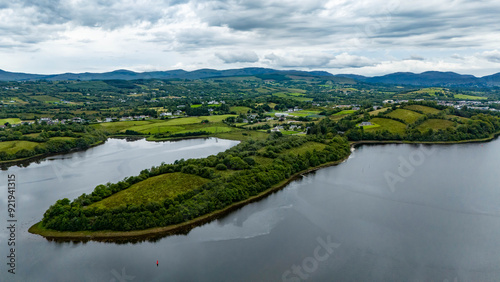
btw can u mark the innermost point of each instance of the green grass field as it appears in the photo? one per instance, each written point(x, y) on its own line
point(10, 120)
point(406, 115)
point(376, 112)
point(424, 109)
point(11, 147)
point(344, 112)
point(463, 119)
point(160, 126)
point(45, 98)
point(304, 148)
point(154, 128)
point(13, 101)
point(289, 132)
point(435, 124)
point(122, 125)
point(297, 98)
point(296, 94)
point(191, 120)
point(154, 189)
point(238, 134)
point(305, 113)
point(430, 91)
point(388, 124)
point(469, 97)
point(240, 110)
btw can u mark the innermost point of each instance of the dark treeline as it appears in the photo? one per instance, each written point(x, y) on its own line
point(250, 179)
point(183, 134)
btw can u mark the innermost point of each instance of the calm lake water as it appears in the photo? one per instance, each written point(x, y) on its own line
point(389, 213)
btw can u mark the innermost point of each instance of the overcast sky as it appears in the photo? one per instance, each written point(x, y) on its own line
point(370, 37)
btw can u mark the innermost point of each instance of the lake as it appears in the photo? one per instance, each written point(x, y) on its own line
point(388, 213)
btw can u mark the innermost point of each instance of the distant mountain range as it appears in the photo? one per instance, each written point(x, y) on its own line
point(430, 78)
point(173, 74)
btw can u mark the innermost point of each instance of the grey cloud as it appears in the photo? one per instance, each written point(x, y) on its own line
point(457, 57)
point(370, 22)
point(492, 56)
point(238, 57)
point(297, 22)
point(343, 60)
point(107, 14)
point(415, 58)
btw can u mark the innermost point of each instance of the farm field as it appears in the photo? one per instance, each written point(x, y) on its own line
point(463, 119)
point(11, 147)
point(304, 113)
point(297, 98)
point(431, 91)
point(376, 112)
point(435, 124)
point(161, 126)
point(153, 189)
point(240, 109)
point(45, 98)
point(388, 124)
point(117, 126)
point(424, 109)
point(344, 112)
point(10, 121)
point(406, 115)
point(309, 146)
point(469, 97)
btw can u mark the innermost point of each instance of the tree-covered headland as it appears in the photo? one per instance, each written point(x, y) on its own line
point(228, 177)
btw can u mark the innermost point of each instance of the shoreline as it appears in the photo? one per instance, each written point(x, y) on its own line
point(387, 142)
point(156, 233)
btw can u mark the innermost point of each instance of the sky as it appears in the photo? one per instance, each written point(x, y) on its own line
point(370, 38)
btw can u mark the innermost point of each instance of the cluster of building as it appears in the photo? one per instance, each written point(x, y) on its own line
point(50, 121)
point(400, 101)
point(475, 105)
point(292, 127)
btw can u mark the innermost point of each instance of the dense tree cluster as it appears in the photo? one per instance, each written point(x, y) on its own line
point(250, 179)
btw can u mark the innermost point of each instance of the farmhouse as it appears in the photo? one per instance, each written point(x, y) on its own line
point(365, 123)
